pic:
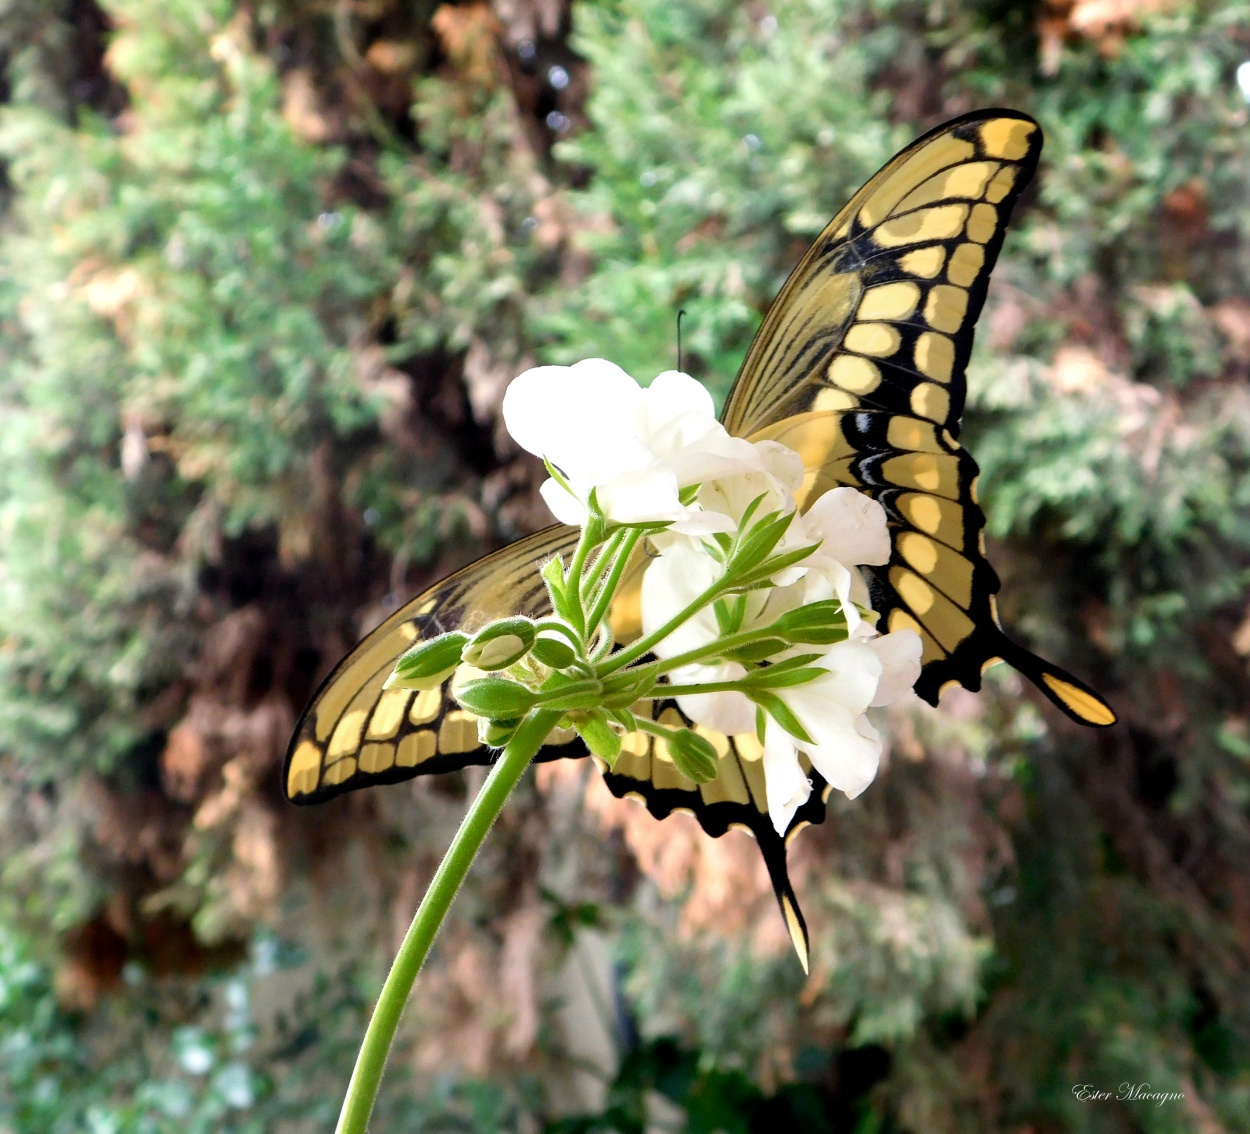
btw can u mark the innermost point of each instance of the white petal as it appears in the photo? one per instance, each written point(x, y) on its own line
point(853, 526)
point(582, 418)
point(730, 713)
point(899, 653)
point(857, 671)
point(785, 785)
point(638, 497)
point(782, 462)
point(846, 757)
point(566, 508)
point(672, 395)
point(671, 581)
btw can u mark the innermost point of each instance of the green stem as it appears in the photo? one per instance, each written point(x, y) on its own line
point(625, 550)
point(576, 569)
point(363, 1088)
point(643, 645)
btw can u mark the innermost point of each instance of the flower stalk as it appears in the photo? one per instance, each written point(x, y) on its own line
point(362, 1091)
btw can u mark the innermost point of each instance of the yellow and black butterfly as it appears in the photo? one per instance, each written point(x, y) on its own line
point(859, 367)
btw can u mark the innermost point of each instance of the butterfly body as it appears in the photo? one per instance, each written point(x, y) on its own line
point(859, 367)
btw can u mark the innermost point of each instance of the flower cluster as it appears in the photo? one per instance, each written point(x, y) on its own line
point(754, 614)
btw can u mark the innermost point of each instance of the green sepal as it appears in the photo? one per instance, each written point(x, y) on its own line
point(760, 576)
point(756, 651)
point(553, 650)
point(557, 588)
point(759, 543)
point(776, 708)
point(817, 624)
point(600, 737)
point(428, 664)
point(501, 644)
point(622, 689)
point(772, 678)
point(693, 754)
point(496, 698)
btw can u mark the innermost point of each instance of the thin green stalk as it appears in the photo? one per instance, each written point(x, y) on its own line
point(576, 568)
point(363, 1088)
point(608, 589)
point(643, 645)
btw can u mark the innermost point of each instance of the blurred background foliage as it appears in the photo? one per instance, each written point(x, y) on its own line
point(265, 270)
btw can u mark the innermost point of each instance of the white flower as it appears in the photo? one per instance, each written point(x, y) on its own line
point(867, 669)
point(638, 448)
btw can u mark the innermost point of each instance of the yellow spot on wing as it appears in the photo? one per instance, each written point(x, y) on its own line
point(913, 436)
point(966, 264)
point(963, 181)
point(927, 472)
point(922, 226)
point(426, 705)
point(389, 714)
point(376, 758)
point(945, 308)
point(1001, 185)
point(1084, 705)
point(346, 736)
point(937, 517)
point(1007, 138)
point(890, 301)
point(834, 401)
point(872, 338)
point(983, 223)
point(855, 374)
point(416, 748)
point(344, 769)
point(458, 732)
point(305, 770)
point(935, 356)
point(924, 262)
point(931, 401)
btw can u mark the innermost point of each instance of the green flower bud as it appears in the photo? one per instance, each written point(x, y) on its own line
point(553, 649)
point(599, 736)
point(428, 664)
point(694, 755)
point(500, 644)
point(495, 733)
point(495, 698)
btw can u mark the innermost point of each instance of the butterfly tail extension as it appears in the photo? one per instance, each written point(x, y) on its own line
point(1070, 694)
point(774, 850)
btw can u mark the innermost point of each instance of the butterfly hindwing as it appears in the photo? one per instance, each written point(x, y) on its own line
point(736, 798)
point(355, 734)
point(860, 367)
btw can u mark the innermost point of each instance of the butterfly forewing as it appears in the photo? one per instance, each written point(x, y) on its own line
point(860, 367)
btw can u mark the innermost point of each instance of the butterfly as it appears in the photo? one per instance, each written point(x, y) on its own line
point(859, 366)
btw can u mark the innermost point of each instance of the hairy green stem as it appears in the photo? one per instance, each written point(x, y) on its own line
point(622, 553)
point(643, 645)
point(363, 1088)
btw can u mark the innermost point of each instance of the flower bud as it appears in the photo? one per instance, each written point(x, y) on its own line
point(495, 698)
point(428, 664)
point(694, 755)
point(495, 733)
point(500, 644)
point(553, 649)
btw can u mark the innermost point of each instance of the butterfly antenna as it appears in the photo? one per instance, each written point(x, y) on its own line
point(679, 315)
